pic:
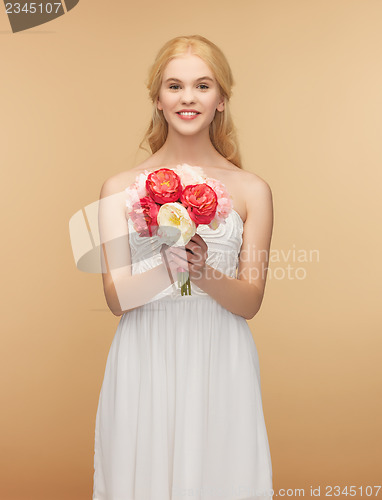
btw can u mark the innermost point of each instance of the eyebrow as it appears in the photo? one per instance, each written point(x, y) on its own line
point(201, 78)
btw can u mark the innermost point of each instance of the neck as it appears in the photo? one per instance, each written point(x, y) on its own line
point(193, 149)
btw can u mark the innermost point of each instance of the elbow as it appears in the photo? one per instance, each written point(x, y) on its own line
point(255, 305)
point(112, 300)
point(252, 313)
point(114, 308)
point(119, 312)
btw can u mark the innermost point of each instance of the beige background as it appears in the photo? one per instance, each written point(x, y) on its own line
point(307, 105)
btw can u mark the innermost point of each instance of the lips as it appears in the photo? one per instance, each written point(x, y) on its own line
point(188, 116)
point(188, 111)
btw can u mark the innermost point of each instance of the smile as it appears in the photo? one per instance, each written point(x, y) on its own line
point(187, 115)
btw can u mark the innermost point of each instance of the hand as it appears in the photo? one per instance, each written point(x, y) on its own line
point(192, 257)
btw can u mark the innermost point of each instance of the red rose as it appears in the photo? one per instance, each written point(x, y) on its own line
point(201, 202)
point(144, 216)
point(164, 186)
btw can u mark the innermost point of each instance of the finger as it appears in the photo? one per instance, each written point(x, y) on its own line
point(197, 259)
point(199, 240)
point(178, 262)
point(181, 256)
point(192, 246)
point(198, 248)
point(197, 245)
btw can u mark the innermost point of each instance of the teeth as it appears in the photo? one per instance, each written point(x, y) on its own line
point(187, 113)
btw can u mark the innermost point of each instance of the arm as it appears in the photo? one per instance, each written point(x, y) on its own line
point(123, 291)
point(243, 295)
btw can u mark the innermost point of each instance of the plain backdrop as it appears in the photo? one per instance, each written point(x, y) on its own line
point(308, 107)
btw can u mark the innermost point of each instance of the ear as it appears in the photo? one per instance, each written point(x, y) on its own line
point(159, 105)
point(220, 106)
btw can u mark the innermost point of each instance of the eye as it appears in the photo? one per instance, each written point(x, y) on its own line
point(205, 87)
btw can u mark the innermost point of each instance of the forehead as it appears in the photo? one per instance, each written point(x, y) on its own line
point(187, 67)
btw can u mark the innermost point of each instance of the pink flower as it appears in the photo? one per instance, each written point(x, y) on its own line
point(137, 190)
point(224, 205)
point(190, 174)
point(144, 216)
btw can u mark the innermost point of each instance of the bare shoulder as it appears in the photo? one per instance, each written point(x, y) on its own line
point(251, 184)
point(118, 183)
point(246, 176)
point(258, 198)
point(255, 183)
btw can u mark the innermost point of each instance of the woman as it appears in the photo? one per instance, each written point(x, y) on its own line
point(180, 411)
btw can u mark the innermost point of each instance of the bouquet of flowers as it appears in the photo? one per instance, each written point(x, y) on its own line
point(171, 203)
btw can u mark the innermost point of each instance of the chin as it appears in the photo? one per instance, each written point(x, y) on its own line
point(184, 130)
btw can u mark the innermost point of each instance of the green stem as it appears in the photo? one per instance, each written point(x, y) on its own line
point(184, 283)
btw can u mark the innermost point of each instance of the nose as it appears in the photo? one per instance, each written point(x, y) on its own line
point(188, 96)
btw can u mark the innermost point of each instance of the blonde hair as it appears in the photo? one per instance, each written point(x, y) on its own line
point(222, 129)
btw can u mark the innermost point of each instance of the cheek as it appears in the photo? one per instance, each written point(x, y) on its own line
point(168, 101)
point(209, 103)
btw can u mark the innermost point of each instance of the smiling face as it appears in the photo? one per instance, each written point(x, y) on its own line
point(189, 84)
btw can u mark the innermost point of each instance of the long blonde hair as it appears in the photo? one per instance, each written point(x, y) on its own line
point(222, 129)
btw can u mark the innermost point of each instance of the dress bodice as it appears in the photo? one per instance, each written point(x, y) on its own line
point(224, 244)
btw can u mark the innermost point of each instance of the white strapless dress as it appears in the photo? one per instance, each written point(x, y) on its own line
point(180, 413)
